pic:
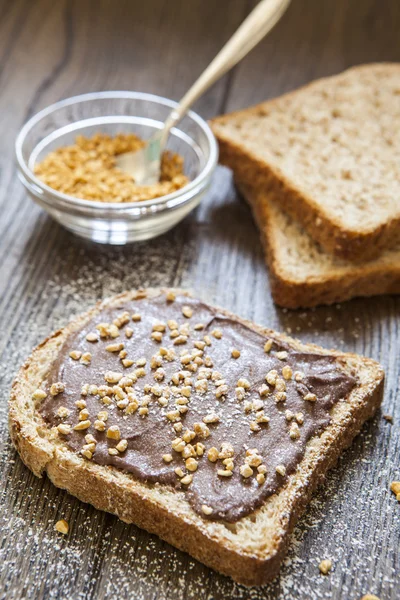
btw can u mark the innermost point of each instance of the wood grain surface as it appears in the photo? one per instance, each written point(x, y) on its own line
point(50, 50)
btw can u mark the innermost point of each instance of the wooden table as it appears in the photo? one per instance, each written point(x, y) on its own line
point(50, 50)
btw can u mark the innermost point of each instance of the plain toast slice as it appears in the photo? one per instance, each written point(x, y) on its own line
point(302, 274)
point(331, 151)
point(251, 549)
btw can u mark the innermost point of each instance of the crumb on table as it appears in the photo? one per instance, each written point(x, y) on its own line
point(325, 566)
point(62, 526)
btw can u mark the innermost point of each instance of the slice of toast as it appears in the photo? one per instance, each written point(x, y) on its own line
point(330, 149)
point(250, 548)
point(302, 274)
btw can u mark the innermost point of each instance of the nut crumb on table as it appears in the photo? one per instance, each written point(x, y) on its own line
point(325, 566)
point(395, 487)
point(87, 170)
point(62, 526)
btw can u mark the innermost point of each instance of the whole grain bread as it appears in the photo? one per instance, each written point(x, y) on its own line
point(331, 150)
point(302, 274)
point(250, 550)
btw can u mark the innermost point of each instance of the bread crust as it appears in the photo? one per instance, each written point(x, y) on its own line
point(326, 230)
point(251, 550)
point(338, 284)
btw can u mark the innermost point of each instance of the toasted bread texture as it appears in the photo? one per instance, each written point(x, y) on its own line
point(331, 150)
point(302, 274)
point(250, 550)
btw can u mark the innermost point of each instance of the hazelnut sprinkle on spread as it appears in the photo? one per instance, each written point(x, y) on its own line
point(153, 418)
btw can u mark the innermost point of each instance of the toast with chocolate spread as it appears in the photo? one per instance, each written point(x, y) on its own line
point(330, 150)
point(199, 426)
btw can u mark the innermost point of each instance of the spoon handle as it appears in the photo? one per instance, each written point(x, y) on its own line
point(258, 23)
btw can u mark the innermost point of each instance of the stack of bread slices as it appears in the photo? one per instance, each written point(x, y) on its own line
point(320, 168)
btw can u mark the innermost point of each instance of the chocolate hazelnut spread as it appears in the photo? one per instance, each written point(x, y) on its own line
point(178, 394)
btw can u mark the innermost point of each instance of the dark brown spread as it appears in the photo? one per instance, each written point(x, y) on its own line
point(297, 404)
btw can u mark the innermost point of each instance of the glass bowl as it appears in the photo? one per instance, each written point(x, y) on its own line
point(112, 113)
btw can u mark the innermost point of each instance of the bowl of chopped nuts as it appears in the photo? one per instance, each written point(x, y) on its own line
point(66, 157)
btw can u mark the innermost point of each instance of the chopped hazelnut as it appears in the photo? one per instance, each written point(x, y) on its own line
point(254, 426)
point(82, 425)
point(92, 337)
point(294, 431)
point(57, 388)
point(187, 479)
point(244, 383)
point(207, 510)
point(268, 346)
point(260, 478)
point(227, 450)
point(63, 412)
point(62, 526)
point(310, 397)
point(86, 358)
point(201, 386)
point(75, 354)
point(115, 347)
point(213, 454)
point(191, 464)
point(83, 414)
point(217, 333)
point(156, 336)
point(179, 340)
point(178, 444)
point(179, 472)
point(246, 471)
point(188, 436)
point(199, 448)
point(271, 377)
point(263, 390)
point(325, 566)
point(201, 429)
point(39, 394)
point(122, 445)
point(170, 296)
point(99, 425)
point(64, 428)
point(240, 393)
point(113, 432)
point(287, 372)
point(221, 391)
point(395, 488)
point(173, 415)
point(112, 376)
point(235, 353)
point(187, 312)
point(211, 418)
point(281, 470)
point(224, 473)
